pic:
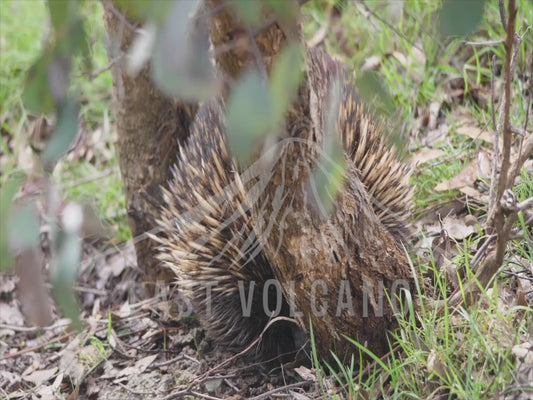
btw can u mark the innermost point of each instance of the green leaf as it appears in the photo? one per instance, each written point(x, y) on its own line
point(7, 194)
point(37, 96)
point(156, 11)
point(24, 228)
point(79, 42)
point(181, 65)
point(250, 114)
point(62, 14)
point(286, 77)
point(285, 9)
point(460, 17)
point(66, 131)
point(248, 11)
point(372, 91)
point(328, 177)
point(65, 275)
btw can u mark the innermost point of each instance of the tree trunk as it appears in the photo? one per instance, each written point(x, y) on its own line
point(335, 270)
point(149, 127)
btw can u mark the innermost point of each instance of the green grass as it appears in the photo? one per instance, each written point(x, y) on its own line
point(466, 355)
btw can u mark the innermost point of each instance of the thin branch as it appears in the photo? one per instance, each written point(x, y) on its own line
point(243, 352)
point(486, 43)
point(492, 91)
point(525, 153)
point(268, 394)
point(503, 15)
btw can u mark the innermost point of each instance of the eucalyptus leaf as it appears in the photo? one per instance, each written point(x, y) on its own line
point(460, 17)
point(248, 11)
point(156, 11)
point(37, 96)
point(285, 9)
point(24, 228)
point(65, 133)
point(79, 42)
point(65, 275)
point(181, 65)
point(328, 177)
point(250, 114)
point(286, 77)
point(7, 194)
point(62, 14)
point(372, 91)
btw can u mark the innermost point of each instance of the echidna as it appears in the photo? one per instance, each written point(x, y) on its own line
point(209, 242)
point(209, 226)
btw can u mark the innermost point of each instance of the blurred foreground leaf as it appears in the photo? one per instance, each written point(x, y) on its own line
point(287, 10)
point(66, 131)
point(327, 179)
point(372, 91)
point(181, 64)
point(248, 11)
point(249, 115)
point(256, 109)
point(24, 228)
point(65, 275)
point(460, 17)
point(37, 96)
point(156, 11)
point(286, 77)
point(7, 194)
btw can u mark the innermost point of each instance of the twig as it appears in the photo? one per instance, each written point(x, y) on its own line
point(60, 324)
point(243, 352)
point(95, 74)
point(492, 92)
point(183, 393)
point(266, 395)
point(525, 153)
point(486, 43)
point(37, 347)
point(480, 254)
point(518, 131)
point(88, 179)
point(503, 15)
point(231, 385)
point(496, 224)
point(495, 219)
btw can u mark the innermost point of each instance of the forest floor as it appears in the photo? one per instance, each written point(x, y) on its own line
point(132, 347)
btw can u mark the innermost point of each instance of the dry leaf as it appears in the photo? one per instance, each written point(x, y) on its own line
point(139, 367)
point(426, 155)
point(474, 194)
point(372, 63)
point(435, 136)
point(434, 109)
point(435, 365)
point(466, 177)
point(475, 133)
point(10, 315)
point(305, 373)
point(39, 377)
point(457, 229)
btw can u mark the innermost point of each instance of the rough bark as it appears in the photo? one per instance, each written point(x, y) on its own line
point(149, 126)
point(237, 46)
point(335, 269)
